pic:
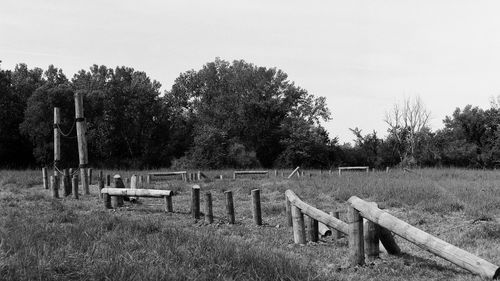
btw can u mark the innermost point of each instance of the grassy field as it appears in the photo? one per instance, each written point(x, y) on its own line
point(66, 239)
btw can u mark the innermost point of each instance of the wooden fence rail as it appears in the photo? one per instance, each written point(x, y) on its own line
point(424, 240)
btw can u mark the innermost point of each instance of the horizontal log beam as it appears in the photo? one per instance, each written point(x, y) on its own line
point(354, 168)
point(426, 241)
point(168, 173)
point(156, 193)
point(317, 214)
point(250, 172)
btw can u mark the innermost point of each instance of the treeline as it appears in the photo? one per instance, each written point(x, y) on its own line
point(234, 115)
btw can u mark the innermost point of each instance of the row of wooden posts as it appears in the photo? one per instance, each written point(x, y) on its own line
point(379, 225)
point(113, 198)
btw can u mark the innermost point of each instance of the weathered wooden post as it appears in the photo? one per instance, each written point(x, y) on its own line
point(54, 182)
point(195, 202)
point(115, 201)
point(371, 240)
point(57, 139)
point(75, 186)
point(198, 176)
point(209, 215)
point(148, 179)
point(288, 209)
point(141, 181)
point(45, 178)
point(108, 180)
point(356, 247)
point(118, 184)
point(338, 234)
point(107, 200)
point(133, 185)
point(90, 176)
point(257, 217)
point(101, 175)
point(66, 183)
point(101, 185)
point(168, 204)
point(275, 173)
point(299, 232)
point(229, 206)
point(81, 133)
point(313, 229)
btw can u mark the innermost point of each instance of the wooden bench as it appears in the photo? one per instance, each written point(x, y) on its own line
point(108, 193)
point(359, 168)
point(249, 173)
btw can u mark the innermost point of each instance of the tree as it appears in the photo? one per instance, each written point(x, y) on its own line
point(405, 123)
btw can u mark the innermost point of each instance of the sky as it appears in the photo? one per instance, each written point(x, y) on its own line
point(363, 56)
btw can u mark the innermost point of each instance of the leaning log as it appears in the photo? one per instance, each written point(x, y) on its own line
point(426, 241)
point(317, 214)
point(156, 193)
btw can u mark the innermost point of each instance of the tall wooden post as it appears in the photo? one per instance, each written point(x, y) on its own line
point(229, 206)
point(66, 183)
point(257, 217)
point(75, 186)
point(57, 139)
point(168, 204)
point(209, 215)
point(338, 234)
point(54, 183)
point(81, 132)
point(371, 240)
point(356, 245)
point(288, 209)
point(45, 177)
point(195, 202)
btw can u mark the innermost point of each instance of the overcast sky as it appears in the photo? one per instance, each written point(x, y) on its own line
point(363, 56)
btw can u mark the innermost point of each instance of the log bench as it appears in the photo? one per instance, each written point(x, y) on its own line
point(108, 193)
point(358, 168)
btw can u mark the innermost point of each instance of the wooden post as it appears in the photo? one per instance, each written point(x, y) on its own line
point(101, 185)
point(45, 178)
point(338, 234)
point(313, 229)
point(108, 180)
point(195, 202)
point(299, 232)
point(90, 176)
point(57, 139)
point(66, 183)
point(81, 133)
point(168, 204)
point(133, 185)
point(275, 173)
point(257, 216)
point(141, 181)
point(75, 186)
point(209, 216)
point(114, 201)
point(148, 179)
point(198, 175)
point(230, 206)
point(371, 240)
point(118, 184)
point(288, 209)
point(107, 200)
point(53, 186)
point(356, 247)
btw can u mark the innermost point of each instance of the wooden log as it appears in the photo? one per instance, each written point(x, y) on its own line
point(74, 186)
point(66, 183)
point(324, 230)
point(316, 214)
point(154, 193)
point(45, 177)
point(299, 232)
point(256, 211)
point(426, 241)
point(371, 240)
point(107, 200)
point(230, 207)
point(312, 229)
point(209, 215)
point(81, 133)
point(195, 202)
point(288, 208)
point(356, 247)
point(293, 172)
point(54, 186)
point(57, 138)
point(168, 204)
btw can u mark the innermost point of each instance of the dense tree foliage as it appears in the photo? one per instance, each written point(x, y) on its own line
point(234, 115)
